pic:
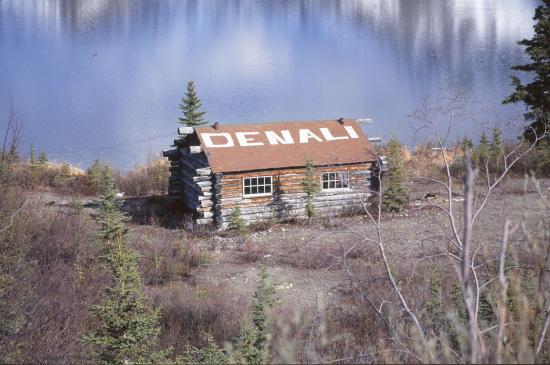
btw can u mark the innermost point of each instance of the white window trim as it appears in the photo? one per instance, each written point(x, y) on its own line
point(348, 188)
point(261, 194)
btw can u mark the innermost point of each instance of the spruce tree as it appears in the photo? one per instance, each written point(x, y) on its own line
point(209, 353)
point(482, 151)
point(128, 322)
point(255, 340)
point(535, 94)
point(190, 107)
point(42, 159)
point(238, 223)
point(395, 195)
point(497, 144)
point(311, 188)
point(249, 353)
point(32, 157)
point(95, 174)
point(467, 145)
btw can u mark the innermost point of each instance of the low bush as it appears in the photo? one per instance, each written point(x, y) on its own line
point(49, 277)
point(149, 179)
point(189, 312)
point(252, 252)
point(166, 255)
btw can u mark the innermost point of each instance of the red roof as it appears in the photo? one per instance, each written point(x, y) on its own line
point(248, 147)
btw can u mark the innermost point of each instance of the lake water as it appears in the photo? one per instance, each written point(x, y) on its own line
point(103, 78)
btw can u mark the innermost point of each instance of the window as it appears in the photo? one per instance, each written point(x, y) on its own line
point(261, 185)
point(335, 180)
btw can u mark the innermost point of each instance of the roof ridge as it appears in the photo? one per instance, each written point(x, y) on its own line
point(345, 120)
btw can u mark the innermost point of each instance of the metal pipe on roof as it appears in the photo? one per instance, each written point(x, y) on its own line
point(364, 121)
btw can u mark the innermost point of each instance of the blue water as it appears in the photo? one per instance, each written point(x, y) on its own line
point(103, 78)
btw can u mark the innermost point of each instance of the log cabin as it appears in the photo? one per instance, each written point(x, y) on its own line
point(260, 168)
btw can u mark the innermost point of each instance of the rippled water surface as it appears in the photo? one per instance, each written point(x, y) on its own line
point(103, 78)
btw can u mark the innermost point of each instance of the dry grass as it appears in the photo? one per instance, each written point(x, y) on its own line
point(50, 278)
point(317, 253)
point(252, 251)
point(148, 179)
point(187, 312)
point(166, 255)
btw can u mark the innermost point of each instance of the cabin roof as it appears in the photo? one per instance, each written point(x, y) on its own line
point(275, 145)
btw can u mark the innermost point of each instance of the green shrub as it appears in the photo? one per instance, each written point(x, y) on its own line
point(209, 353)
point(128, 321)
point(395, 194)
point(237, 223)
point(311, 188)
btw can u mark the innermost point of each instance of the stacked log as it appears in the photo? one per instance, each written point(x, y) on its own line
point(288, 199)
point(191, 180)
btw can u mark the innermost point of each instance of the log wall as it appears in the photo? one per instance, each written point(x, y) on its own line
point(191, 181)
point(213, 197)
point(288, 199)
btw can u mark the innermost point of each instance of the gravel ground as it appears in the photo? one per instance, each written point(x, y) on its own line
point(409, 236)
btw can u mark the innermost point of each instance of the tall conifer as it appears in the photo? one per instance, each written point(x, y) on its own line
point(536, 93)
point(128, 322)
point(395, 195)
point(190, 107)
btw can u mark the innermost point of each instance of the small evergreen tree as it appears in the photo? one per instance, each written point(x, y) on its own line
point(395, 195)
point(42, 159)
point(128, 322)
point(255, 340)
point(311, 188)
point(210, 353)
point(535, 93)
point(497, 144)
point(467, 145)
point(481, 153)
point(249, 353)
point(190, 107)
point(32, 157)
point(65, 170)
point(434, 311)
point(237, 223)
point(496, 150)
point(95, 175)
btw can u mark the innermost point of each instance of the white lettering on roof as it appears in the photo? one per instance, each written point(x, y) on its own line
point(245, 139)
point(207, 138)
point(306, 135)
point(284, 138)
point(328, 135)
point(351, 131)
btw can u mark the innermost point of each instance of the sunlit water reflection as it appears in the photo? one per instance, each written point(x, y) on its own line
point(103, 78)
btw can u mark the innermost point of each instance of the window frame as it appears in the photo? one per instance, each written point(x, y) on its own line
point(336, 173)
point(250, 195)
